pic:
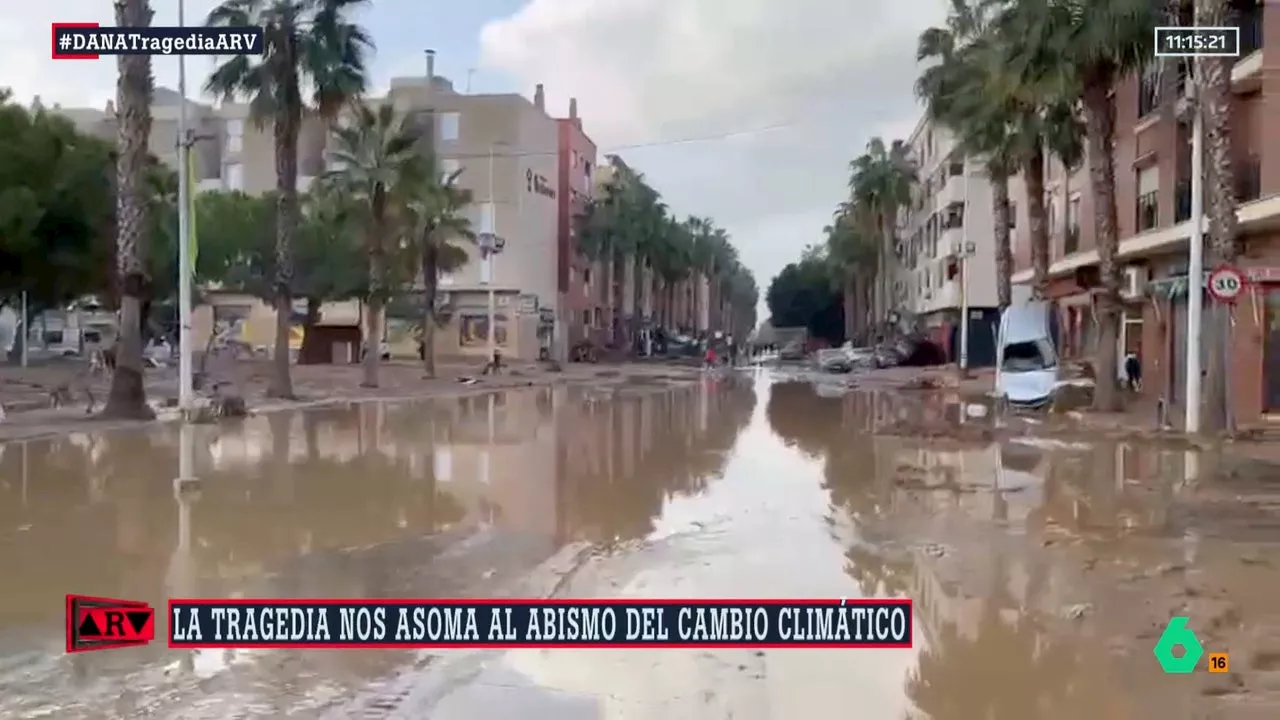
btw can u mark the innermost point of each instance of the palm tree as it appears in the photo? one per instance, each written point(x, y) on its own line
point(881, 179)
point(134, 83)
point(309, 43)
point(852, 255)
point(1213, 85)
point(1099, 44)
point(374, 152)
point(434, 218)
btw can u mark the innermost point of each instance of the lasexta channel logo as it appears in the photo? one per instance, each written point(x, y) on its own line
point(95, 623)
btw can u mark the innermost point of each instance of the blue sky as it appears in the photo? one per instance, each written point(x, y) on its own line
point(777, 96)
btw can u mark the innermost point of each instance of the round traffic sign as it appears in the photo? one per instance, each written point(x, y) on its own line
point(1226, 283)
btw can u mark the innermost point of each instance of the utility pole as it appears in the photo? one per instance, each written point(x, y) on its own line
point(964, 251)
point(1195, 263)
point(186, 390)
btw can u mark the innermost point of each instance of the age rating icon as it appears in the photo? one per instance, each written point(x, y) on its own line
point(1175, 634)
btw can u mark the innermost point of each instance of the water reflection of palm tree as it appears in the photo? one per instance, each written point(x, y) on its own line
point(802, 418)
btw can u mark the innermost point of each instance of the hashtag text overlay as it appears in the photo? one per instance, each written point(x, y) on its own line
point(82, 41)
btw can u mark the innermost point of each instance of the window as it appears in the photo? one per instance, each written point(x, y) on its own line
point(1013, 215)
point(586, 318)
point(586, 277)
point(1148, 90)
point(473, 330)
point(954, 217)
point(1028, 356)
point(1148, 205)
point(956, 167)
point(576, 158)
point(449, 167)
point(599, 317)
point(449, 125)
point(233, 176)
point(587, 169)
point(1071, 242)
point(235, 136)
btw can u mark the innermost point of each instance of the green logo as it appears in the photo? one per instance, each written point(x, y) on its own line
point(1175, 634)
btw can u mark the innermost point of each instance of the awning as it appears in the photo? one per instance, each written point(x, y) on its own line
point(1173, 287)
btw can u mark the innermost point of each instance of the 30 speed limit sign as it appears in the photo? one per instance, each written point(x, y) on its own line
point(1226, 284)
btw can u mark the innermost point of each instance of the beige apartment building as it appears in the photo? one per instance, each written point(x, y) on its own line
point(507, 149)
point(950, 216)
point(1153, 195)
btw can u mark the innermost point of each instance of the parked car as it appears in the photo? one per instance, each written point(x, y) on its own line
point(833, 360)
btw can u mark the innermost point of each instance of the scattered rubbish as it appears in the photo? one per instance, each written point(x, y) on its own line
point(465, 380)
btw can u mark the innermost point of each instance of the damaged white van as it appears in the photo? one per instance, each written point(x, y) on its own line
point(1026, 359)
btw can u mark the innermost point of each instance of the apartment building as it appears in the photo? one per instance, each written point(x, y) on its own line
point(231, 152)
point(582, 287)
point(1153, 194)
point(948, 219)
point(507, 148)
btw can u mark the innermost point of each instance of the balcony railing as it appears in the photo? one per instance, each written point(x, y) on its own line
point(1182, 201)
point(1071, 241)
point(1148, 210)
point(1249, 20)
point(1248, 180)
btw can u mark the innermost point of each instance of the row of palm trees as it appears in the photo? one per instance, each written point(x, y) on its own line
point(1020, 82)
point(682, 275)
point(387, 186)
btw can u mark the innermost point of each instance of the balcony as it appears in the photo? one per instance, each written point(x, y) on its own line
point(1182, 201)
point(1148, 211)
point(1248, 180)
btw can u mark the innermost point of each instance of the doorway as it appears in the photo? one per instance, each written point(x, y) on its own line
point(1271, 351)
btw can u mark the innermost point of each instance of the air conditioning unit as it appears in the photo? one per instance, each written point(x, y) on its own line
point(1134, 282)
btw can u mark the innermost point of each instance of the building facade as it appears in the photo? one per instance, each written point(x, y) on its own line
point(1152, 155)
point(948, 219)
point(507, 148)
point(582, 310)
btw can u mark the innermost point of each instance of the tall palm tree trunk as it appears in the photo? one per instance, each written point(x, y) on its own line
point(1001, 213)
point(849, 291)
point(287, 122)
point(1099, 122)
point(1214, 77)
point(373, 318)
point(127, 397)
point(1037, 222)
point(430, 286)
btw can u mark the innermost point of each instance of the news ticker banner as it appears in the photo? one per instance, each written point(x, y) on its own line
point(88, 41)
point(93, 623)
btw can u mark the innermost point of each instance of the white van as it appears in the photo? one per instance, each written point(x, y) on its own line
point(1026, 359)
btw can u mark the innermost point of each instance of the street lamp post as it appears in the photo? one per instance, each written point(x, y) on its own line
point(490, 244)
point(186, 385)
point(1195, 265)
point(964, 251)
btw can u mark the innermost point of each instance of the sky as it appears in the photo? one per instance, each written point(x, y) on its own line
point(747, 111)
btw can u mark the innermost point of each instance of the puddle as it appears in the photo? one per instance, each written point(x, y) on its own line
point(1041, 570)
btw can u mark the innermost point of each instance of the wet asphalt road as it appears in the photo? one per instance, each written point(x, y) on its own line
point(1042, 571)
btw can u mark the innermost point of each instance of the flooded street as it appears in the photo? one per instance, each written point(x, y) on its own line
point(1042, 571)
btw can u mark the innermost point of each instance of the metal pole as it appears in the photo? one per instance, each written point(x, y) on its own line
point(964, 275)
point(488, 262)
point(1195, 269)
point(25, 337)
point(185, 270)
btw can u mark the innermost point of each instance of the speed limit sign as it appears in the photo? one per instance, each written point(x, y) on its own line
point(1226, 284)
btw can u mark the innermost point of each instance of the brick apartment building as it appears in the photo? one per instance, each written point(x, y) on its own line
point(1153, 168)
point(580, 311)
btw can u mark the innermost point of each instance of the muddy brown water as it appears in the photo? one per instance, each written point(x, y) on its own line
point(1042, 571)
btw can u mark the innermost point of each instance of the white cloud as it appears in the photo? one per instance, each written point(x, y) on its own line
point(836, 73)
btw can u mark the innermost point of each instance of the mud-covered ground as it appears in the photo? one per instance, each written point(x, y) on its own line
point(1043, 560)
